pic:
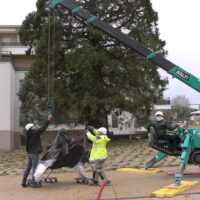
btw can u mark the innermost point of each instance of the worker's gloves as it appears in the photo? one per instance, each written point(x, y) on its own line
point(90, 128)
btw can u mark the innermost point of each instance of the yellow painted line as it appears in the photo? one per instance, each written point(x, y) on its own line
point(172, 190)
point(139, 170)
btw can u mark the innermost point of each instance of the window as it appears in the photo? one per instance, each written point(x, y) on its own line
point(21, 82)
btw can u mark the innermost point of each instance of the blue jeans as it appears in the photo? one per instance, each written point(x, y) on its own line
point(33, 159)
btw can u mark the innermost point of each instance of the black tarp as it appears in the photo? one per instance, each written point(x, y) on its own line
point(67, 151)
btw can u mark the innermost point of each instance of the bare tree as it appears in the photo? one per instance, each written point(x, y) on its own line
point(180, 108)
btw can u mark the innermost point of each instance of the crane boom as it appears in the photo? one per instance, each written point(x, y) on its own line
point(154, 57)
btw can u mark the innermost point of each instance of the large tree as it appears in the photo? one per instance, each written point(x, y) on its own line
point(85, 71)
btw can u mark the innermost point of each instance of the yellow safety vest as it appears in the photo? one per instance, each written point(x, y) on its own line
point(98, 151)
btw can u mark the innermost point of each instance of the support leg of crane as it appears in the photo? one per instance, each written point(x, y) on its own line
point(173, 189)
point(183, 159)
point(159, 156)
point(179, 174)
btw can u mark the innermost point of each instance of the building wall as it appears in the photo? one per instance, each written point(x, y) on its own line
point(12, 105)
point(19, 76)
point(9, 37)
point(13, 64)
point(23, 61)
point(7, 103)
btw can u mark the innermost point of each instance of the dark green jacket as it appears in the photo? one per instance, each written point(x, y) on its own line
point(162, 126)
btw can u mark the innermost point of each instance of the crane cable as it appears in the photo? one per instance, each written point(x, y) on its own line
point(50, 64)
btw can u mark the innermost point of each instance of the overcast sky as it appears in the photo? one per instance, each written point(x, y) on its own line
point(178, 25)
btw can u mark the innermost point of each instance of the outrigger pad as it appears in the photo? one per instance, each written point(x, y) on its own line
point(151, 170)
point(172, 190)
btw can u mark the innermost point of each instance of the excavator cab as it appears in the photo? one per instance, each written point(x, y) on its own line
point(164, 144)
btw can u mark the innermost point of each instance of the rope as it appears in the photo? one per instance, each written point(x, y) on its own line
point(101, 190)
point(53, 61)
point(49, 46)
point(51, 65)
point(115, 193)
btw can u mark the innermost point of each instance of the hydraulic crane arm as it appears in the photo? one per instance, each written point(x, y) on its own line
point(154, 57)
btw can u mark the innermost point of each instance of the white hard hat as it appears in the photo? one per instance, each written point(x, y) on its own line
point(159, 113)
point(103, 130)
point(28, 126)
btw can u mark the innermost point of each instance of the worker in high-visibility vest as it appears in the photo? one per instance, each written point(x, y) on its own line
point(98, 153)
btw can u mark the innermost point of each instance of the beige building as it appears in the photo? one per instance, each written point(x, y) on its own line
point(13, 65)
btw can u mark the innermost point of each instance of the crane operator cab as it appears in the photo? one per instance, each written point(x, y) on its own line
point(168, 144)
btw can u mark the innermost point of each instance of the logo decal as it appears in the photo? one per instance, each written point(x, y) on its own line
point(182, 75)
